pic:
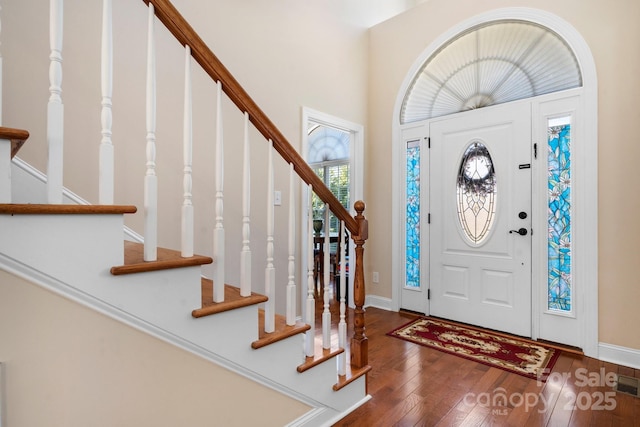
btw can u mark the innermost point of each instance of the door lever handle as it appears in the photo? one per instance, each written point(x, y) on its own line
point(522, 231)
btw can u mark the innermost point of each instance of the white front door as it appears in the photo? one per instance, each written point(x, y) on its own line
point(480, 205)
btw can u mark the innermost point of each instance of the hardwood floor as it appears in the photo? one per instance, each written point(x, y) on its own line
point(413, 385)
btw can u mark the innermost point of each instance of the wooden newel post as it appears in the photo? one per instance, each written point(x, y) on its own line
point(359, 342)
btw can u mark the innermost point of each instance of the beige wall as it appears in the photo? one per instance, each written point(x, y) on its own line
point(610, 29)
point(67, 365)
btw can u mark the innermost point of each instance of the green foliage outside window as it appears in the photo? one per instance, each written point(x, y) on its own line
point(336, 177)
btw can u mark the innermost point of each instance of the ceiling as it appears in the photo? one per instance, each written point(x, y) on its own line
point(367, 13)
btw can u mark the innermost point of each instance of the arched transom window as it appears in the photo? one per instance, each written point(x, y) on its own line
point(490, 64)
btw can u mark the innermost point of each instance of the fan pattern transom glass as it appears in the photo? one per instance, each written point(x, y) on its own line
point(491, 64)
point(328, 144)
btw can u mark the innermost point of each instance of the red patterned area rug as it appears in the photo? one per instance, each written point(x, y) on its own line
point(512, 354)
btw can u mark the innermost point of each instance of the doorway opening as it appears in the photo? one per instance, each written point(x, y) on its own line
point(333, 147)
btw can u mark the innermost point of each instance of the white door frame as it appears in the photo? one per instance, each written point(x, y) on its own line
point(356, 178)
point(585, 178)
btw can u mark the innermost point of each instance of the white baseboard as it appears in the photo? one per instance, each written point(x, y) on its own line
point(619, 355)
point(346, 412)
point(378, 302)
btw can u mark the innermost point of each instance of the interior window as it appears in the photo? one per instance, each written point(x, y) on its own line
point(329, 150)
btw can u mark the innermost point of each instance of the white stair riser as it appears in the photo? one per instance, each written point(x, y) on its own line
point(164, 298)
point(67, 247)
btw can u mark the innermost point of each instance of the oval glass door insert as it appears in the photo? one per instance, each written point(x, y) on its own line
point(476, 192)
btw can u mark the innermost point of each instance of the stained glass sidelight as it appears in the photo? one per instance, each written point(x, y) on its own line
point(476, 192)
point(412, 231)
point(559, 214)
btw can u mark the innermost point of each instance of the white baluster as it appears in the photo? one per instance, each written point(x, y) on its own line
point(187, 147)
point(105, 168)
point(326, 314)
point(55, 109)
point(342, 324)
point(310, 309)
point(270, 272)
point(150, 179)
point(245, 255)
point(218, 232)
point(291, 284)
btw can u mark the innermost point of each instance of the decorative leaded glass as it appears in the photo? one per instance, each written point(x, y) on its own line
point(413, 215)
point(476, 192)
point(559, 184)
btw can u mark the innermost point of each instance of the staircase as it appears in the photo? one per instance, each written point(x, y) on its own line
point(55, 239)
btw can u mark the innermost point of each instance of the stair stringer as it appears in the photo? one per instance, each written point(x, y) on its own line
point(64, 249)
point(276, 360)
point(312, 377)
point(319, 415)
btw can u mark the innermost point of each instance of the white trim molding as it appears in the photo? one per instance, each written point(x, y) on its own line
point(620, 355)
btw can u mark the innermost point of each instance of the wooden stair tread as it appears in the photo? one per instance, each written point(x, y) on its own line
point(17, 137)
point(232, 299)
point(320, 355)
point(350, 376)
point(46, 209)
point(167, 258)
point(282, 331)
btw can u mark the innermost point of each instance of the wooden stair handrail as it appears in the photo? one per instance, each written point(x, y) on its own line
point(186, 35)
